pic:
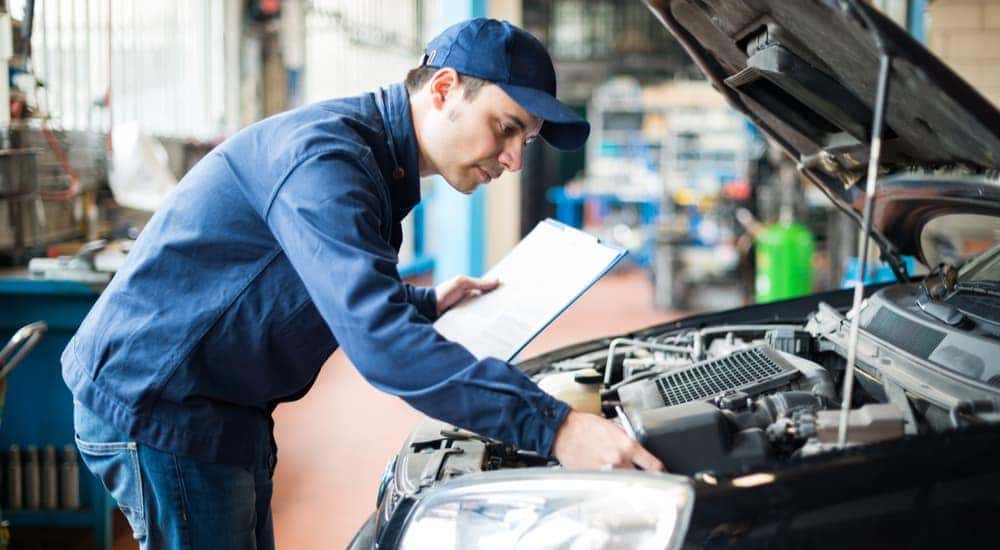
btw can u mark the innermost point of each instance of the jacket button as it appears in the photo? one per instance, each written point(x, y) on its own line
point(398, 173)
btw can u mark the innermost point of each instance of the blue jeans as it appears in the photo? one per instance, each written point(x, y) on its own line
point(172, 501)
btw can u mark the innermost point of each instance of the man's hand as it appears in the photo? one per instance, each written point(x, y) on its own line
point(454, 291)
point(588, 441)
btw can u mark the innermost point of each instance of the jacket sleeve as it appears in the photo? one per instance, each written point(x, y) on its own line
point(327, 217)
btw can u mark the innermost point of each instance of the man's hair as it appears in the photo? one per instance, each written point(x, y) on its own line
point(418, 77)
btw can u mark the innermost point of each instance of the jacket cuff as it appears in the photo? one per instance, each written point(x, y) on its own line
point(551, 414)
point(425, 300)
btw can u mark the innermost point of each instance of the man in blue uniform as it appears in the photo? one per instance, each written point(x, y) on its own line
point(280, 246)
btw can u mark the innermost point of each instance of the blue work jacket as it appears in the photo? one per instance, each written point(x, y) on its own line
point(276, 248)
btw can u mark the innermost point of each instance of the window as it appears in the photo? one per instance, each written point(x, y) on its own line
point(166, 63)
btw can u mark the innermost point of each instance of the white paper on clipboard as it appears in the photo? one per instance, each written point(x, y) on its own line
point(546, 272)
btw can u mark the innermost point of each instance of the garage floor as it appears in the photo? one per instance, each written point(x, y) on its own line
point(335, 442)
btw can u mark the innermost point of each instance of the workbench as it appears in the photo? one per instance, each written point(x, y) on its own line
point(39, 407)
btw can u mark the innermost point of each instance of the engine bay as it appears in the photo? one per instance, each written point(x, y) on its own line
point(725, 400)
point(730, 399)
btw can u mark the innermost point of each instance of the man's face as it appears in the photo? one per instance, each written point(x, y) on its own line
point(470, 142)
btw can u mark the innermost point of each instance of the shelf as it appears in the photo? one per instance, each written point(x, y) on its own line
point(83, 517)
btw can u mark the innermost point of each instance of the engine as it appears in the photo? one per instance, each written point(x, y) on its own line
point(723, 399)
point(732, 399)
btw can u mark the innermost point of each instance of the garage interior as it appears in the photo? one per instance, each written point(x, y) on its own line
point(113, 101)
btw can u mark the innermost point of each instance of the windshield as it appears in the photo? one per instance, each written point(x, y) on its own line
point(956, 238)
point(984, 269)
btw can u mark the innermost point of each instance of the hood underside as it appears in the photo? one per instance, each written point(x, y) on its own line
point(806, 73)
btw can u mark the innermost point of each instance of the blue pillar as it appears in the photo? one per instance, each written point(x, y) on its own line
point(459, 220)
point(915, 19)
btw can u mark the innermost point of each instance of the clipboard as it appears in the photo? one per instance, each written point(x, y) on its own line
point(540, 277)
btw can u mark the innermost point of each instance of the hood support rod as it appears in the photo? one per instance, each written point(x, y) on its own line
point(881, 100)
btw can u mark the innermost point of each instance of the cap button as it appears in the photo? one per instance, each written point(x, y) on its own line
point(398, 173)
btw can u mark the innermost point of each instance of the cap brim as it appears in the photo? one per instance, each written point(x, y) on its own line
point(562, 128)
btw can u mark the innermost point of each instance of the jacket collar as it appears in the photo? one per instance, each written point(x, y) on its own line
point(404, 189)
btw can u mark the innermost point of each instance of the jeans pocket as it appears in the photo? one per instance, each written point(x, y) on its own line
point(117, 465)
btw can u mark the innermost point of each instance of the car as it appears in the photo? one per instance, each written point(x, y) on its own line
point(745, 407)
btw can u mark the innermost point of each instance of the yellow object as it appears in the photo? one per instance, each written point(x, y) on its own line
point(581, 397)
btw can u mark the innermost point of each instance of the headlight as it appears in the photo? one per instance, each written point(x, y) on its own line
point(387, 474)
point(553, 509)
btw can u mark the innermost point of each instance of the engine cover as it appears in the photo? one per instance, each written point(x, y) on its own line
point(696, 437)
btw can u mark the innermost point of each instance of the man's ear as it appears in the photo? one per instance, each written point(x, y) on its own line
point(445, 81)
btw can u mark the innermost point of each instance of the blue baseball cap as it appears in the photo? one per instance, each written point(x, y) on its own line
point(518, 63)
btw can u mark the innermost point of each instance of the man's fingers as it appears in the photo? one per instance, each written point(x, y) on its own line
point(634, 455)
point(624, 449)
point(460, 288)
point(591, 441)
point(472, 292)
point(645, 460)
point(466, 283)
point(485, 285)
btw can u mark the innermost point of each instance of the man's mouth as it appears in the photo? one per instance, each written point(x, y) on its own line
point(484, 176)
point(489, 175)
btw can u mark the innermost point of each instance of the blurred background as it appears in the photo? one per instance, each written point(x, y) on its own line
point(112, 101)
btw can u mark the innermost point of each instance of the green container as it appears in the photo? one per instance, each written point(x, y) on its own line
point(784, 262)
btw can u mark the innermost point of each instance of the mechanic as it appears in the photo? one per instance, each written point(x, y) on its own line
point(281, 245)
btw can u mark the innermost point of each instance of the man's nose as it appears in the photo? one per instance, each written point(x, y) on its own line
point(512, 155)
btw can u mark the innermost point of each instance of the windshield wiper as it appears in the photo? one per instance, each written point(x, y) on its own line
point(987, 288)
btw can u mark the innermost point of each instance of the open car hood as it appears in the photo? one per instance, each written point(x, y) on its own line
point(806, 72)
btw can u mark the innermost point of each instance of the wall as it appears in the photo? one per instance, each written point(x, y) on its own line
point(353, 47)
point(169, 64)
point(503, 196)
point(966, 35)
